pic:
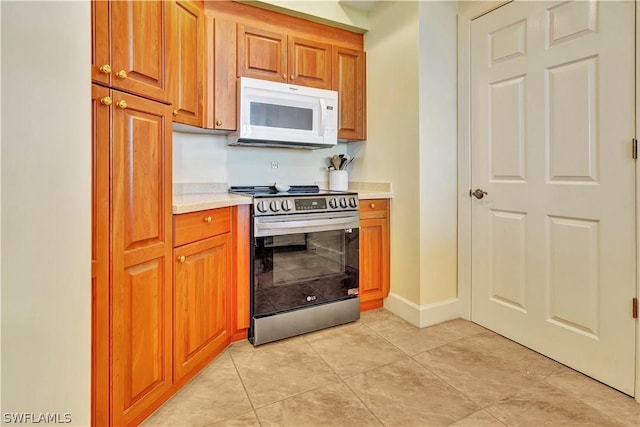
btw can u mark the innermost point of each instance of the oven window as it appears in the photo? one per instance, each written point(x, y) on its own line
point(299, 270)
point(281, 116)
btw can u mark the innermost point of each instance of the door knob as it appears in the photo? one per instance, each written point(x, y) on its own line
point(478, 194)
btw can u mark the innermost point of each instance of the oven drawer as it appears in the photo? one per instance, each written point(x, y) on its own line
point(374, 208)
point(194, 226)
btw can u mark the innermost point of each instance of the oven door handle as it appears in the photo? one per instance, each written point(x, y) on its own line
point(305, 225)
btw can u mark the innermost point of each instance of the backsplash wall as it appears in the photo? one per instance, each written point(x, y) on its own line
point(208, 158)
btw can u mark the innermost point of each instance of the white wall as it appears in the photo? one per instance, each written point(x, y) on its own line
point(412, 121)
point(46, 204)
point(438, 152)
point(207, 158)
point(391, 152)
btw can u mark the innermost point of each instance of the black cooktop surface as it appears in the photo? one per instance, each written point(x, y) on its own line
point(294, 190)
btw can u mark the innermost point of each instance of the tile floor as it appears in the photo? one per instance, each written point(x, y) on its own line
point(383, 371)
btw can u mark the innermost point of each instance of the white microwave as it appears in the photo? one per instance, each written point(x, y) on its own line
point(272, 114)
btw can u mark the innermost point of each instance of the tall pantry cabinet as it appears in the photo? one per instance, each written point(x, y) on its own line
point(132, 223)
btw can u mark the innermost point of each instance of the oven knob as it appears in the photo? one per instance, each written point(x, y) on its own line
point(287, 205)
point(333, 203)
point(274, 206)
point(343, 202)
point(262, 206)
point(353, 202)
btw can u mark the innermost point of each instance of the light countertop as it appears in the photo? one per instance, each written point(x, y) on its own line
point(197, 197)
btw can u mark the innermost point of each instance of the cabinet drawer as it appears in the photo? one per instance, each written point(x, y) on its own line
point(374, 208)
point(194, 226)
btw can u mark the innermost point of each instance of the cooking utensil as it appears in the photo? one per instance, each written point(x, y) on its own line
point(345, 161)
point(335, 161)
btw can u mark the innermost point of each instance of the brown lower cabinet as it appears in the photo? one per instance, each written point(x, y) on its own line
point(202, 289)
point(374, 253)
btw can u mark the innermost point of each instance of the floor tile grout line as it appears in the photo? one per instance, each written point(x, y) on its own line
point(256, 408)
point(244, 387)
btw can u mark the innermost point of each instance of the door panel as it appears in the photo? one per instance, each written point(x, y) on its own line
point(309, 63)
point(553, 242)
point(141, 297)
point(262, 54)
point(141, 47)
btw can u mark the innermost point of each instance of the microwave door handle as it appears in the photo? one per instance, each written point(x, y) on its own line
point(323, 115)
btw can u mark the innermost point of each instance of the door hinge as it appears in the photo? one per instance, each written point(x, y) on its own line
point(635, 308)
point(635, 148)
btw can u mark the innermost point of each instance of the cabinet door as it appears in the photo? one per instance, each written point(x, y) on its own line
point(202, 302)
point(141, 298)
point(141, 48)
point(309, 63)
point(222, 74)
point(348, 79)
point(100, 55)
point(374, 253)
point(189, 62)
point(100, 254)
point(262, 54)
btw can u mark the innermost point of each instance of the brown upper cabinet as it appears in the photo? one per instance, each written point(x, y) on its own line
point(130, 53)
point(286, 58)
point(189, 63)
point(205, 61)
point(277, 47)
point(349, 80)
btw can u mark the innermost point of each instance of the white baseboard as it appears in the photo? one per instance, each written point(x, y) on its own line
point(424, 315)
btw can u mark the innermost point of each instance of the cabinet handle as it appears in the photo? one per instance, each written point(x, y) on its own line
point(106, 69)
point(208, 219)
point(218, 122)
point(175, 112)
point(122, 74)
point(106, 101)
point(122, 104)
point(292, 77)
point(372, 205)
point(284, 77)
point(182, 258)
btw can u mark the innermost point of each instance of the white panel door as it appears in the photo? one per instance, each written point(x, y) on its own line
point(553, 241)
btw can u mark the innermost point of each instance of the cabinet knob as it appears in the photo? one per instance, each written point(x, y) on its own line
point(284, 77)
point(218, 122)
point(122, 104)
point(182, 258)
point(372, 205)
point(292, 77)
point(106, 68)
point(106, 101)
point(208, 219)
point(122, 74)
point(175, 112)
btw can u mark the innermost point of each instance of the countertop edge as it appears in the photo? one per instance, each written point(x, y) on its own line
point(200, 202)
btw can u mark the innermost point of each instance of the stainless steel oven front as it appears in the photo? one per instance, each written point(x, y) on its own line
point(305, 272)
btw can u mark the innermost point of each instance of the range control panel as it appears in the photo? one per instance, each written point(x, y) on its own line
point(301, 204)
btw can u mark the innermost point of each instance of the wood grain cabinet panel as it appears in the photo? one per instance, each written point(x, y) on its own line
point(189, 63)
point(193, 226)
point(100, 140)
point(309, 63)
point(202, 290)
point(139, 50)
point(141, 256)
point(223, 89)
point(374, 253)
point(262, 54)
point(349, 80)
point(100, 52)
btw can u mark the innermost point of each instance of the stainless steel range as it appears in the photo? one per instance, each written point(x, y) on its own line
point(304, 260)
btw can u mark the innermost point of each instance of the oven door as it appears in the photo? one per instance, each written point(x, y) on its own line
point(304, 260)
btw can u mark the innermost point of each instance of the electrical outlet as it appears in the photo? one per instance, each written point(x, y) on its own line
point(274, 164)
